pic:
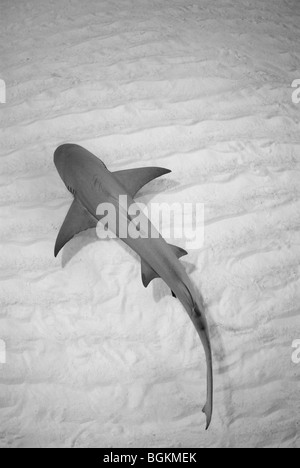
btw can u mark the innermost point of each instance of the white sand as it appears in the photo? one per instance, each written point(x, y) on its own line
point(200, 87)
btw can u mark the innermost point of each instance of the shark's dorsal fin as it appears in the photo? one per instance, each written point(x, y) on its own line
point(148, 274)
point(77, 220)
point(134, 179)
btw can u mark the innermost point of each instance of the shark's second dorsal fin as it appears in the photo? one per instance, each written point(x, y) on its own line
point(77, 220)
point(134, 179)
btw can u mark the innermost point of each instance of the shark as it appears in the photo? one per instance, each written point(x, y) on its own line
point(91, 184)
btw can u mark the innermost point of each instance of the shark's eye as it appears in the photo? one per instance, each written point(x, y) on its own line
point(97, 183)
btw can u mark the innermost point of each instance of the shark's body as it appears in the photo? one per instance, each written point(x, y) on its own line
point(92, 184)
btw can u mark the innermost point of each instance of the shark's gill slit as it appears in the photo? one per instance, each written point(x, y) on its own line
point(71, 190)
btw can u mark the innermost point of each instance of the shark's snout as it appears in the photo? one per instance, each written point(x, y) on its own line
point(61, 155)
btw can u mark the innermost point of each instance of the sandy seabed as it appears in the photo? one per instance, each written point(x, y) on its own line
point(200, 87)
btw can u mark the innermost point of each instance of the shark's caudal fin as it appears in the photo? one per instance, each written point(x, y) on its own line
point(134, 179)
point(207, 410)
point(148, 274)
point(77, 220)
point(199, 321)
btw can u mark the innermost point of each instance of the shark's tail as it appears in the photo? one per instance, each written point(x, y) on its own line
point(200, 323)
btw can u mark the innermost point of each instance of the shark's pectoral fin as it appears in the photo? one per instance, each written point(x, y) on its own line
point(148, 274)
point(134, 179)
point(178, 251)
point(77, 220)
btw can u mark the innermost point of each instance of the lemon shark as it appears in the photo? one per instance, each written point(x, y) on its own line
point(92, 184)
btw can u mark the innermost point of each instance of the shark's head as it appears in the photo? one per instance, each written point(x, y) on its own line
point(70, 157)
point(76, 165)
point(62, 158)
